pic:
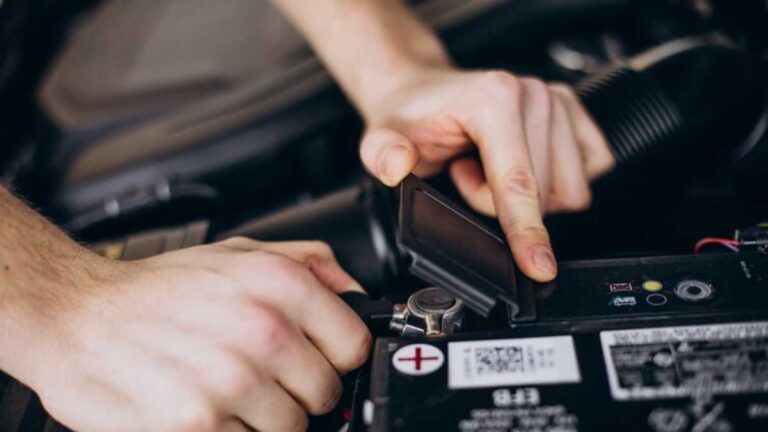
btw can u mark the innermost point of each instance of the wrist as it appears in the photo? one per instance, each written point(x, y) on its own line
point(371, 47)
point(41, 303)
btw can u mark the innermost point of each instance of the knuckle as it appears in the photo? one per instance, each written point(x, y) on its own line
point(333, 397)
point(327, 398)
point(237, 244)
point(539, 96)
point(236, 240)
point(578, 202)
point(300, 282)
point(194, 419)
point(498, 78)
point(272, 332)
point(359, 348)
point(238, 261)
point(504, 86)
point(231, 378)
point(281, 265)
point(600, 164)
point(520, 180)
point(530, 233)
point(322, 249)
point(537, 87)
point(563, 90)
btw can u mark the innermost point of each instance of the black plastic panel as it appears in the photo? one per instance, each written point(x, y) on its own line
point(452, 250)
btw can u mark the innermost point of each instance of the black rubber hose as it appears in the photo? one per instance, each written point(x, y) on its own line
point(690, 99)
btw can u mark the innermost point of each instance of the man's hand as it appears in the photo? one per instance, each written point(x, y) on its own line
point(229, 336)
point(538, 149)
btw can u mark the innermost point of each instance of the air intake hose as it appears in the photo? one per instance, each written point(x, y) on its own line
point(688, 100)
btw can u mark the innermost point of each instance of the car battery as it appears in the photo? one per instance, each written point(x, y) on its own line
point(666, 344)
point(662, 344)
point(664, 378)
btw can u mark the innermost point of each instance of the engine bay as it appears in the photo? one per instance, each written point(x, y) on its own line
point(658, 320)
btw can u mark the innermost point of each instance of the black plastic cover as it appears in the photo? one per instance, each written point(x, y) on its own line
point(451, 249)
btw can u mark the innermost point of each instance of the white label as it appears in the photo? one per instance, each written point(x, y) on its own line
point(418, 359)
point(512, 362)
point(674, 362)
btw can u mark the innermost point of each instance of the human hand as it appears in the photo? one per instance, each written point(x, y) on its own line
point(233, 336)
point(538, 149)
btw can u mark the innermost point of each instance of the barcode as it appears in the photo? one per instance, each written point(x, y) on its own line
point(501, 362)
point(496, 360)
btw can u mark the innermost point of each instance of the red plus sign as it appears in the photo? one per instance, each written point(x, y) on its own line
point(417, 359)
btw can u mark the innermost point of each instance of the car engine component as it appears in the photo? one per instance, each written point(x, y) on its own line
point(659, 343)
point(429, 312)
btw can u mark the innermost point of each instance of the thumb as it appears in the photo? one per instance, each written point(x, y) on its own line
point(388, 155)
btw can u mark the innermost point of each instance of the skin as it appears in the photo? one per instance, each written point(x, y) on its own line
point(235, 335)
point(245, 335)
point(538, 147)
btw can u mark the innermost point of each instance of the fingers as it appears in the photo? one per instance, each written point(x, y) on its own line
point(317, 387)
point(570, 189)
point(467, 175)
point(316, 255)
point(273, 374)
point(280, 350)
point(333, 327)
point(598, 158)
point(288, 286)
point(556, 156)
point(537, 115)
point(498, 128)
point(234, 425)
point(320, 260)
point(557, 159)
point(389, 155)
point(269, 408)
point(261, 342)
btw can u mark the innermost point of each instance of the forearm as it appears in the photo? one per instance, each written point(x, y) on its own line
point(370, 46)
point(39, 268)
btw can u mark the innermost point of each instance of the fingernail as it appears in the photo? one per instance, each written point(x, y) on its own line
point(545, 262)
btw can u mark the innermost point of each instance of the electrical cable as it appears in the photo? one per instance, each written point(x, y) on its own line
point(709, 241)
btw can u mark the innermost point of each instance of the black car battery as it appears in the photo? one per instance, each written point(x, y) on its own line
point(663, 344)
point(654, 355)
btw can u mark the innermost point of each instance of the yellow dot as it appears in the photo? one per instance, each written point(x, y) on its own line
point(652, 285)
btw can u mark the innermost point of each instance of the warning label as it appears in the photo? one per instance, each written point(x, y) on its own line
point(508, 362)
point(555, 418)
point(691, 361)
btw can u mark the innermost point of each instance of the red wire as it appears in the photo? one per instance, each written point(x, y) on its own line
point(715, 241)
